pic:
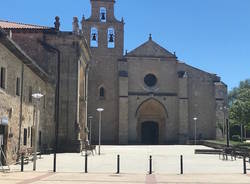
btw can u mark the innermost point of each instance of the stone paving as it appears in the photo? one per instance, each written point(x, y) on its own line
point(134, 167)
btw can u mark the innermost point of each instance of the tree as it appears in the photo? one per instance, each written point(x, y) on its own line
point(239, 101)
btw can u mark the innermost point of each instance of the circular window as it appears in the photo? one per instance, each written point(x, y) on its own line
point(150, 80)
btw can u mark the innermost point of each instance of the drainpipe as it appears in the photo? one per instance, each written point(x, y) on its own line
point(20, 113)
point(86, 99)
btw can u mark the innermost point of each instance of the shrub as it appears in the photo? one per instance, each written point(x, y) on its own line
point(236, 138)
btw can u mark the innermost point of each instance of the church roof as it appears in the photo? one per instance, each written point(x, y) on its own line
point(14, 25)
point(151, 49)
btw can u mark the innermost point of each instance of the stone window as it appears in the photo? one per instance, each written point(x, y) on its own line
point(30, 94)
point(102, 93)
point(25, 137)
point(94, 37)
point(3, 78)
point(40, 139)
point(18, 86)
point(31, 136)
point(111, 38)
point(150, 80)
point(103, 14)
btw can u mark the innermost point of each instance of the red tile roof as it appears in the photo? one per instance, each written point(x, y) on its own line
point(14, 25)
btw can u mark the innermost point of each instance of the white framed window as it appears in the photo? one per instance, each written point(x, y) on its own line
point(94, 37)
point(111, 38)
point(103, 14)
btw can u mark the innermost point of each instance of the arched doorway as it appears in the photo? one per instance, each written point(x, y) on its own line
point(149, 133)
point(151, 122)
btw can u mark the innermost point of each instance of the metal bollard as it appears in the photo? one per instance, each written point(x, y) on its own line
point(22, 161)
point(244, 165)
point(150, 164)
point(86, 162)
point(118, 164)
point(181, 164)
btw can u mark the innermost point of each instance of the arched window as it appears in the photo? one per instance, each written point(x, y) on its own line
point(111, 38)
point(101, 92)
point(103, 14)
point(94, 37)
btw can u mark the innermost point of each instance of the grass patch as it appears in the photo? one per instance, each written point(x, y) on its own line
point(232, 143)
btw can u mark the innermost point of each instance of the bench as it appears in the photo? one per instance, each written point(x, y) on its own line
point(87, 147)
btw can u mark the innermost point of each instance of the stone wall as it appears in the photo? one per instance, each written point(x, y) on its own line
point(11, 105)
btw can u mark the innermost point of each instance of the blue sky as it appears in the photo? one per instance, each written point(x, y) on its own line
point(213, 35)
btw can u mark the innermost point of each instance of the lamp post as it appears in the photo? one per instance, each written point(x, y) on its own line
point(227, 126)
point(37, 96)
point(100, 125)
point(90, 128)
point(224, 109)
point(195, 121)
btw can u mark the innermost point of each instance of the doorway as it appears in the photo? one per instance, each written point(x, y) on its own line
point(2, 133)
point(149, 133)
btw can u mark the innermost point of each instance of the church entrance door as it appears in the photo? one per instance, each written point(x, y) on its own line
point(150, 133)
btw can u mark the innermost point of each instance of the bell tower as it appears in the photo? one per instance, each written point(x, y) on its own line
point(105, 37)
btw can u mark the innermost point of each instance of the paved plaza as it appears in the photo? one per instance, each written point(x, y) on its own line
point(134, 167)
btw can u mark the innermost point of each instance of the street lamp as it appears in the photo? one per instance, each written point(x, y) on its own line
point(100, 124)
point(224, 109)
point(90, 128)
point(37, 96)
point(195, 120)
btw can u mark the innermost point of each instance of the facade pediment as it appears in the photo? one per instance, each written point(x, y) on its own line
point(151, 49)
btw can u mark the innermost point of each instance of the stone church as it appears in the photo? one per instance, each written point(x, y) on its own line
point(148, 95)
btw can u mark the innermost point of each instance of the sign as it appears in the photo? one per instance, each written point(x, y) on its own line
point(4, 121)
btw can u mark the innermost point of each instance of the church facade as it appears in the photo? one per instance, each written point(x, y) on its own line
point(148, 95)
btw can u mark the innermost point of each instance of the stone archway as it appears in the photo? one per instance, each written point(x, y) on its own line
point(151, 119)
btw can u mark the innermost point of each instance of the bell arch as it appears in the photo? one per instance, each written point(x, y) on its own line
point(151, 111)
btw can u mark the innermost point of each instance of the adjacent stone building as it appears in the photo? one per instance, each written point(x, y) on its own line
point(20, 77)
point(67, 54)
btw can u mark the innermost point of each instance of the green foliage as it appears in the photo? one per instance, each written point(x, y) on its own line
point(233, 94)
point(239, 99)
point(236, 138)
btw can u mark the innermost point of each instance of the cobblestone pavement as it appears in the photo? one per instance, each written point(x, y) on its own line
point(134, 167)
point(102, 178)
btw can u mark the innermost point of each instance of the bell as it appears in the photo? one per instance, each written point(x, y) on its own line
point(111, 38)
point(103, 16)
point(94, 37)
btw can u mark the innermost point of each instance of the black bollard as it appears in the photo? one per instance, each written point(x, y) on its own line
point(22, 161)
point(150, 164)
point(181, 164)
point(244, 165)
point(86, 162)
point(118, 164)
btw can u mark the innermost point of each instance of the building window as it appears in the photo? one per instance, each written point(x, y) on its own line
point(3, 78)
point(44, 102)
point(40, 139)
point(25, 137)
point(111, 38)
point(18, 86)
point(103, 14)
point(94, 37)
point(30, 94)
point(31, 136)
point(101, 92)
